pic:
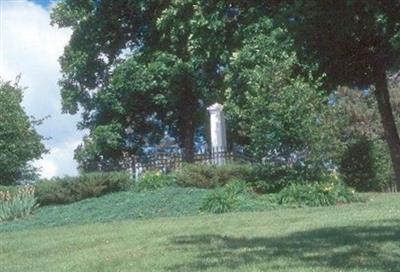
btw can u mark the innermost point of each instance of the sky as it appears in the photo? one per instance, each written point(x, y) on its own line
point(30, 47)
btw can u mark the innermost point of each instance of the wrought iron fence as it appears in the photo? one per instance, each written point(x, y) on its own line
point(170, 161)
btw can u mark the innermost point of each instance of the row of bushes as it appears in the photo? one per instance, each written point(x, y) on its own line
point(316, 194)
point(233, 183)
point(262, 178)
point(229, 181)
point(20, 201)
point(71, 189)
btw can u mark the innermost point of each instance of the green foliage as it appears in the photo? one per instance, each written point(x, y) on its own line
point(354, 38)
point(329, 192)
point(263, 178)
point(219, 201)
point(19, 141)
point(172, 201)
point(71, 189)
point(154, 66)
point(360, 166)
point(11, 189)
point(18, 203)
point(272, 178)
point(211, 176)
point(274, 106)
point(364, 160)
point(103, 140)
point(153, 180)
point(224, 199)
point(356, 44)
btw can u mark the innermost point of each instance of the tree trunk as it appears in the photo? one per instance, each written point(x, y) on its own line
point(188, 140)
point(388, 123)
point(186, 119)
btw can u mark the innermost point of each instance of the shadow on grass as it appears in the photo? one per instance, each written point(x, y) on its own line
point(375, 248)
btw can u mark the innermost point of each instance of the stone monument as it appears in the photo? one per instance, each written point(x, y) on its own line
point(218, 131)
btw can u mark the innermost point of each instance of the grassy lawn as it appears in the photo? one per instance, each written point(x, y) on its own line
point(356, 237)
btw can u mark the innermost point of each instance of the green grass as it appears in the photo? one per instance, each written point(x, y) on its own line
point(355, 237)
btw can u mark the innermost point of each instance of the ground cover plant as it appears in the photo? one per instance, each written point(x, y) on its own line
point(354, 237)
point(170, 201)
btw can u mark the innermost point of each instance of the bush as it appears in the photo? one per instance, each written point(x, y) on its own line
point(325, 193)
point(17, 203)
point(267, 178)
point(153, 180)
point(71, 189)
point(270, 178)
point(224, 199)
point(365, 165)
point(211, 176)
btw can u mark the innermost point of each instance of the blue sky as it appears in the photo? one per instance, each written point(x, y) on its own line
point(44, 3)
point(30, 47)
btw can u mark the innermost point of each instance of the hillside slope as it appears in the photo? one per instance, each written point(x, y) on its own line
point(356, 237)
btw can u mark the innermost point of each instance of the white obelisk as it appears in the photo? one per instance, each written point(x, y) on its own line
point(218, 131)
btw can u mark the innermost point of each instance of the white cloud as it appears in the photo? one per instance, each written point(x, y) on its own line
point(31, 47)
point(53, 163)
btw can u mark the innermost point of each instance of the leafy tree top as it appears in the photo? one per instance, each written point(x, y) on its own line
point(19, 141)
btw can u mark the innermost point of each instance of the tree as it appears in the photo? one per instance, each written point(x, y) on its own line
point(275, 107)
point(355, 43)
point(366, 163)
point(19, 141)
point(150, 66)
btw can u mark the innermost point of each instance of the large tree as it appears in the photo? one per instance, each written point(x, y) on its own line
point(139, 68)
point(355, 43)
point(19, 141)
point(274, 106)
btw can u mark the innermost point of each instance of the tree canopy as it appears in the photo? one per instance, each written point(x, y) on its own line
point(355, 43)
point(273, 109)
point(139, 69)
point(19, 141)
point(148, 66)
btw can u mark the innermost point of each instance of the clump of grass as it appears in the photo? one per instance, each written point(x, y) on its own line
point(226, 198)
point(153, 180)
point(17, 204)
point(328, 192)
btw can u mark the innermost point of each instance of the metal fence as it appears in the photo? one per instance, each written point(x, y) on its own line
point(167, 162)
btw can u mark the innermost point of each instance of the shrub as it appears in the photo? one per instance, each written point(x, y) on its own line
point(211, 176)
point(153, 180)
point(325, 193)
point(19, 203)
point(263, 178)
point(70, 189)
point(271, 178)
point(365, 165)
point(224, 199)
